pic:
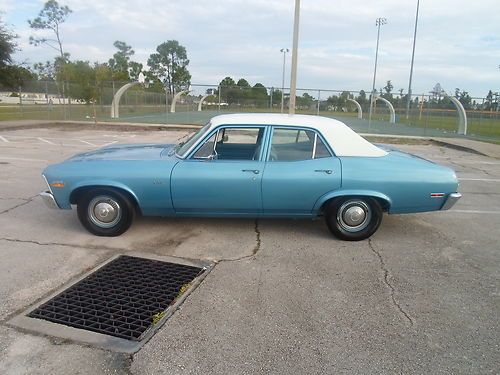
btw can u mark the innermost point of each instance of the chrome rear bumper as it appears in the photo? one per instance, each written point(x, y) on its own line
point(48, 199)
point(451, 200)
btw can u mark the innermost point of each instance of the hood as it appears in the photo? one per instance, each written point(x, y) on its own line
point(126, 152)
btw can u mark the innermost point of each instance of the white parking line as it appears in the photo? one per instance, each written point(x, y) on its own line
point(4, 139)
point(480, 179)
point(475, 212)
point(21, 159)
point(110, 143)
point(88, 143)
point(46, 141)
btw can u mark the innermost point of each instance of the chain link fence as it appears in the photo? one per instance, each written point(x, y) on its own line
point(428, 114)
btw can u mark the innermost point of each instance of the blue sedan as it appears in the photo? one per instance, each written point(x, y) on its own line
point(252, 165)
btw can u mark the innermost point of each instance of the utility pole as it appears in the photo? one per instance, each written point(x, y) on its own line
point(411, 66)
point(293, 77)
point(378, 22)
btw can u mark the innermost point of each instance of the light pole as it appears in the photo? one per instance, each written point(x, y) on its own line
point(284, 51)
point(378, 22)
point(411, 66)
point(293, 74)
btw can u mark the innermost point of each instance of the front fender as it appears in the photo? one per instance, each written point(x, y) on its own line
point(102, 183)
point(349, 193)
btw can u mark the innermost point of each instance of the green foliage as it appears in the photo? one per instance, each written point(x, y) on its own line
point(50, 17)
point(243, 83)
point(83, 81)
point(259, 92)
point(7, 44)
point(122, 67)
point(134, 70)
point(229, 92)
point(14, 76)
point(45, 71)
point(169, 65)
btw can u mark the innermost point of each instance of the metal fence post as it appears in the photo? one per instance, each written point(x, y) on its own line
point(21, 100)
point(319, 100)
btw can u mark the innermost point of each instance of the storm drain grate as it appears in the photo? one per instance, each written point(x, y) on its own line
point(122, 299)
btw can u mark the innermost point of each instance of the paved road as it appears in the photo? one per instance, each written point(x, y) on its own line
point(422, 296)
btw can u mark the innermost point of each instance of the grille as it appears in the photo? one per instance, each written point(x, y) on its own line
point(122, 299)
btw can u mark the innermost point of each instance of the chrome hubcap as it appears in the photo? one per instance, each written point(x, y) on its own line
point(104, 212)
point(354, 215)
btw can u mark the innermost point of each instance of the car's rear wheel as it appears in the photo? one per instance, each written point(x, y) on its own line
point(353, 218)
point(105, 212)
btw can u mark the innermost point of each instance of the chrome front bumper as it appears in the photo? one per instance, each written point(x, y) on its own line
point(48, 199)
point(451, 200)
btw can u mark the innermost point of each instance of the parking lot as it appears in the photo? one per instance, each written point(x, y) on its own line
point(421, 296)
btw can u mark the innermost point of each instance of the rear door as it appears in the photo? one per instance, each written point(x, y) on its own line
point(300, 168)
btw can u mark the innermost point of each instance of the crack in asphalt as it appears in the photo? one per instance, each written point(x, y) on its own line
point(389, 285)
point(255, 250)
point(88, 247)
point(26, 201)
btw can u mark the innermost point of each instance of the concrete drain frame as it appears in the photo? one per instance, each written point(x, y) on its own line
point(101, 340)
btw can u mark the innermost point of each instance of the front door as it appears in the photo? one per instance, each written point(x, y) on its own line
point(222, 176)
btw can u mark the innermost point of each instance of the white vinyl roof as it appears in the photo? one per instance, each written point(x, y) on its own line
point(343, 140)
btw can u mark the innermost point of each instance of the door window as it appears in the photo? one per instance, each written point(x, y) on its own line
point(296, 144)
point(232, 144)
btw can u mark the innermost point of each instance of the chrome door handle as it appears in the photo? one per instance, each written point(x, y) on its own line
point(254, 171)
point(327, 171)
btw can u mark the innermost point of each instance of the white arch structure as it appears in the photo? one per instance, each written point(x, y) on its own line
point(360, 110)
point(115, 104)
point(202, 100)
point(462, 115)
point(176, 97)
point(391, 108)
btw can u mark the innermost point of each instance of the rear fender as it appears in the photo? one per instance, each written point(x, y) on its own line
point(318, 206)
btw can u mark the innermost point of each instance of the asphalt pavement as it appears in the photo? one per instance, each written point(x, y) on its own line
point(421, 296)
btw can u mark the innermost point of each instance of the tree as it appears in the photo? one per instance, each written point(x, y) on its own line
point(50, 18)
point(83, 78)
point(14, 76)
point(488, 104)
point(361, 98)
point(228, 90)
point(169, 65)
point(134, 69)
point(388, 88)
point(259, 92)
point(11, 76)
point(7, 44)
point(121, 65)
point(45, 71)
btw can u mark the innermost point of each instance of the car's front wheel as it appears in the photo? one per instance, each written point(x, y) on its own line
point(353, 218)
point(105, 212)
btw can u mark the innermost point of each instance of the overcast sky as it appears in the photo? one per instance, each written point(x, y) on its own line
point(458, 42)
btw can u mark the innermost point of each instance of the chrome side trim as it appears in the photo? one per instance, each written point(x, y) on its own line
point(49, 200)
point(451, 200)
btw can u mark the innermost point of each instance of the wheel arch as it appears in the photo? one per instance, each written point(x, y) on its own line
point(384, 201)
point(78, 191)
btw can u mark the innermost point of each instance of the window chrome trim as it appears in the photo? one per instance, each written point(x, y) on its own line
point(314, 145)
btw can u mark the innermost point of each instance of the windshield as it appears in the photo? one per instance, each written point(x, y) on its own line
point(184, 147)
